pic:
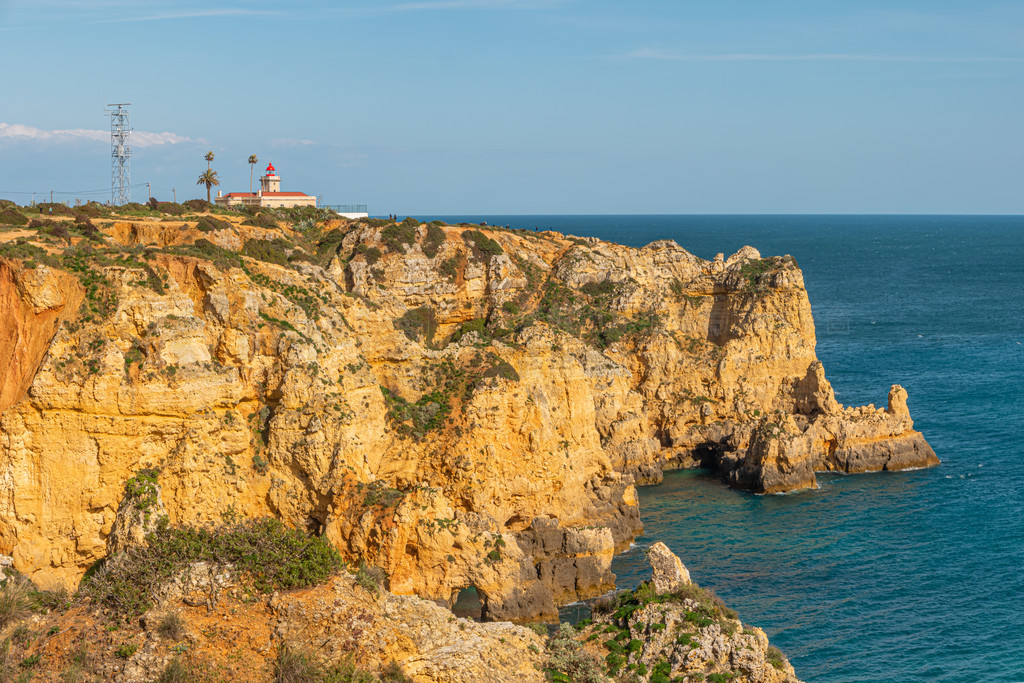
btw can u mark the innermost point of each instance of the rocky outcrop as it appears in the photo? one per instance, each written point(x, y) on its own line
point(458, 405)
point(206, 628)
point(683, 633)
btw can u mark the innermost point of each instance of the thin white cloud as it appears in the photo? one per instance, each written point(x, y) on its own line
point(471, 4)
point(193, 14)
point(17, 131)
point(667, 55)
point(290, 142)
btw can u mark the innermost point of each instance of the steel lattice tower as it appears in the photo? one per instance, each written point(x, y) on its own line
point(120, 155)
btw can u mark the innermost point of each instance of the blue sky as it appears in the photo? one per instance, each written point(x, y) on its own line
point(529, 106)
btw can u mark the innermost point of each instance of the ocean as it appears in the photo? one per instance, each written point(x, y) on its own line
point(912, 576)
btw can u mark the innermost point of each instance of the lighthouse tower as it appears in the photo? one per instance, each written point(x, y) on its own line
point(270, 182)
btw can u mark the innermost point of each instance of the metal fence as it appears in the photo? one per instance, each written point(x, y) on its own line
point(347, 208)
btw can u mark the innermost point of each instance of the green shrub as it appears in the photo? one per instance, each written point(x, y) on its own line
point(297, 665)
point(224, 259)
point(775, 657)
point(126, 650)
point(369, 577)
point(14, 601)
point(481, 244)
point(198, 205)
point(176, 672)
point(264, 219)
point(95, 209)
point(566, 657)
point(394, 236)
point(20, 250)
point(328, 245)
point(171, 209)
point(371, 254)
point(416, 419)
point(171, 626)
point(434, 239)
point(392, 673)
point(211, 224)
point(11, 216)
point(268, 555)
point(660, 672)
point(478, 325)
point(269, 251)
point(449, 268)
point(55, 209)
point(56, 600)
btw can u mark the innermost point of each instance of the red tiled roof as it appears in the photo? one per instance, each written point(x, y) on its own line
point(265, 194)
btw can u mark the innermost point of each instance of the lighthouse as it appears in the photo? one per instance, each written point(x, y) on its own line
point(269, 194)
point(270, 182)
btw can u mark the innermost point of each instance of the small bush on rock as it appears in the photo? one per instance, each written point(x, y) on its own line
point(171, 627)
point(568, 661)
point(14, 601)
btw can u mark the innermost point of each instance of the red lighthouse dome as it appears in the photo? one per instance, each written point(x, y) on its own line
point(270, 168)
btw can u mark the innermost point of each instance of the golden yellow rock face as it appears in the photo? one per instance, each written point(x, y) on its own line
point(459, 405)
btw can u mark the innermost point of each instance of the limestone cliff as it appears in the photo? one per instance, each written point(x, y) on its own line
point(459, 405)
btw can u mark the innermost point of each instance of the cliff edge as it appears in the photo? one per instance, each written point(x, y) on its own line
point(459, 405)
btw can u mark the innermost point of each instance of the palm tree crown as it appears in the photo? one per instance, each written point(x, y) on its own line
point(209, 158)
point(252, 162)
point(208, 178)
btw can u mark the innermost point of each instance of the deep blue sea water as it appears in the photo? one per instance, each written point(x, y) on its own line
point(914, 576)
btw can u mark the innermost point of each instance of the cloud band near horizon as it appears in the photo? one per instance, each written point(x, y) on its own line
point(668, 55)
point(17, 131)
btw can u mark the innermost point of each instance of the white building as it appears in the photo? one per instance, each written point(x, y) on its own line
point(269, 194)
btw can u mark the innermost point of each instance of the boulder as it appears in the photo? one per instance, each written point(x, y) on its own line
point(667, 571)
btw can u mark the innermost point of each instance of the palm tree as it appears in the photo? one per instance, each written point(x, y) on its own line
point(208, 178)
point(209, 158)
point(252, 162)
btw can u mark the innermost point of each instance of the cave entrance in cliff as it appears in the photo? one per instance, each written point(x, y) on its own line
point(468, 603)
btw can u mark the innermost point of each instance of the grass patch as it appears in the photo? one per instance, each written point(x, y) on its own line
point(14, 601)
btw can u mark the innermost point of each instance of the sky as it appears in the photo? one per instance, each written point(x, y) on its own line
point(434, 107)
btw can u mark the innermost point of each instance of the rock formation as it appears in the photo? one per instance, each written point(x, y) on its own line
point(672, 629)
point(667, 571)
point(459, 405)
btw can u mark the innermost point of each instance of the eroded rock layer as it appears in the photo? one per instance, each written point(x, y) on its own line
point(461, 406)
